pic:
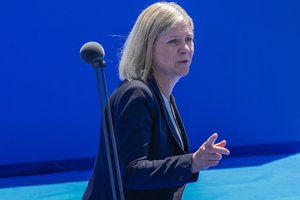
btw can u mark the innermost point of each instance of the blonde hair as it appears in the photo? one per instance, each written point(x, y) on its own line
point(136, 59)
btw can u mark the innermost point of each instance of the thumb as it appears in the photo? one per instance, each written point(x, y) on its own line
point(221, 144)
point(211, 140)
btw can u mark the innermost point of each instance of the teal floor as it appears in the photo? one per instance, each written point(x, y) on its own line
point(257, 178)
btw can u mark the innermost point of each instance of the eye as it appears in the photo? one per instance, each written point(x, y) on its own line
point(189, 39)
point(173, 41)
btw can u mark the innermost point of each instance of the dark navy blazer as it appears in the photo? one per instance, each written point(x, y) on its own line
point(152, 162)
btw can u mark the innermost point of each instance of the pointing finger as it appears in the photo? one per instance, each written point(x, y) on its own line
point(211, 140)
point(220, 150)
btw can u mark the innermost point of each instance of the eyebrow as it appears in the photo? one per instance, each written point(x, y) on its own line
point(187, 33)
point(176, 36)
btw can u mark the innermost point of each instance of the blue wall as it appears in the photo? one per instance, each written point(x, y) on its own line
point(244, 82)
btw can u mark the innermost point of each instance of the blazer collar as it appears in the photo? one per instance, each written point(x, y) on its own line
point(152, 83)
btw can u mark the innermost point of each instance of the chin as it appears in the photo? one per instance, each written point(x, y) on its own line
point(184, 71)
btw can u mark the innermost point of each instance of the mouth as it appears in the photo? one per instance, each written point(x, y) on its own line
point(183, 61)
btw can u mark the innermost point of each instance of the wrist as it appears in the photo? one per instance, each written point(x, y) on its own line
point(193, 167)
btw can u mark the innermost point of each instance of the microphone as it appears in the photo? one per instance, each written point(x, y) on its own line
point(93, 53)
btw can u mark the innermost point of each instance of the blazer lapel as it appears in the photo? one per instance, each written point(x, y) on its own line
point(153, 84)
point(181, 126)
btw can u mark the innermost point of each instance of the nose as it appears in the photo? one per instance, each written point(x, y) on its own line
point(185, 48)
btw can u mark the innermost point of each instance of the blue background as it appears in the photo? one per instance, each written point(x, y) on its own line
point(243, 83)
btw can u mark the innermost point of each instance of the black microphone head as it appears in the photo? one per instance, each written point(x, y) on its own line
point(92, 53)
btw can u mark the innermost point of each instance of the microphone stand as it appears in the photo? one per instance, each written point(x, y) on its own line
point(113, 162)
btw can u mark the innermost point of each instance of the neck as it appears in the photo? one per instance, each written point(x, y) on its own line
point(165, 84)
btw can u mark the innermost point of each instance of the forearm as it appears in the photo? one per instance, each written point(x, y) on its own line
point(170, 172)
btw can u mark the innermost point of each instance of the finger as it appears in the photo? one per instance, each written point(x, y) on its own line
point(221, 144)
point(214, 157)
point(217, 149)
point(213, 163)
point(211, 140)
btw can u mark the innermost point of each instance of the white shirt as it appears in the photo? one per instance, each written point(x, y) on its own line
point(172, 116)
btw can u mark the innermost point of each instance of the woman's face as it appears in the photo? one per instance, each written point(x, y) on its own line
point(173, 51)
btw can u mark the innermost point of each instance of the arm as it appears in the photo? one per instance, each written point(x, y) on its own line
point(133, 125)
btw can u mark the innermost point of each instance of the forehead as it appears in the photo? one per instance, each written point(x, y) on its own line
point(181, 28)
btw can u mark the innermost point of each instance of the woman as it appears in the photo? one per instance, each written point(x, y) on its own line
point(152, 144)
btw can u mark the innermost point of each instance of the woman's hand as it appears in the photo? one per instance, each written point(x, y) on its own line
point(209, 154)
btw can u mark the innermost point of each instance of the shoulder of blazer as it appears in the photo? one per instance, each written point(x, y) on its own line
point(132, 91)
point(136, 88)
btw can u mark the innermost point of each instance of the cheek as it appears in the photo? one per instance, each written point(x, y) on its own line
point(169, 54)
point(192, 54)
point(162, 57)
point(192, 49)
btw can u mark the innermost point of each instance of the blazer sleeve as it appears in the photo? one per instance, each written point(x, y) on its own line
point(134, 114)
